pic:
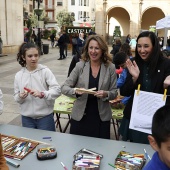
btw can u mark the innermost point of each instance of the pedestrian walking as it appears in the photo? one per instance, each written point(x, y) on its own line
point(52, 38)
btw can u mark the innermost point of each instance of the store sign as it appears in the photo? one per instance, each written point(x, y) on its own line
point(72, 30)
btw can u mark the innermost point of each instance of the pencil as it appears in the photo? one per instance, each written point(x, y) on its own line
point(111, 165)
point(64, 166)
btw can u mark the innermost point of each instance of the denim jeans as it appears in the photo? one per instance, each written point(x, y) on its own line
point(44, 123)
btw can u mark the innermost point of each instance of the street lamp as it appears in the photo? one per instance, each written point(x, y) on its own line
point(38, 12)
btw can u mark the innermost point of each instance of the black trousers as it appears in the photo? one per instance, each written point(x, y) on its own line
point(62, 47)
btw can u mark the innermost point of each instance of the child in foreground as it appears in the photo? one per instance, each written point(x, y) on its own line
point(160, 140)
point(35, 89)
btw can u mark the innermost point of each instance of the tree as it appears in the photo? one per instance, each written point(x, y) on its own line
point(64, 18)
point(117, 32)
point(34, 19)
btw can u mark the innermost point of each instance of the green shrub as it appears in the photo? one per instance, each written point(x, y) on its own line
point(46, 33)
point(53, 31)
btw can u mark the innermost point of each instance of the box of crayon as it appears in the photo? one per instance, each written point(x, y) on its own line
point(128, 161)
point(17, 148)
point(86, 160)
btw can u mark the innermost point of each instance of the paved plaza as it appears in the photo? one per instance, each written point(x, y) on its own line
point(8, 68)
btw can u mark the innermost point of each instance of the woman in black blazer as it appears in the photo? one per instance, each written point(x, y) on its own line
point(152, 71)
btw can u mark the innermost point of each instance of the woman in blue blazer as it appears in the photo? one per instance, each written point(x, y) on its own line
point(91, 113)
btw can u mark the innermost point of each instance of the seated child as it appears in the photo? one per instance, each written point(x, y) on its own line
point(160, 140)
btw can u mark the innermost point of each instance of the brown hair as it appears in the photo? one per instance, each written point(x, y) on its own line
point(22, 51)
point(105, 58)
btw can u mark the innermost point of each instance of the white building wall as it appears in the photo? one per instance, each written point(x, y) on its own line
point(11, 26)
point(90, 9)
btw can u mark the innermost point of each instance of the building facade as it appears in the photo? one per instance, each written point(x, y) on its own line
point(11, 24)
point(132, 16)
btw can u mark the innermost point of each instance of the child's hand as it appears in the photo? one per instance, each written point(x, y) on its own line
point(23, 95)
point(36, 93)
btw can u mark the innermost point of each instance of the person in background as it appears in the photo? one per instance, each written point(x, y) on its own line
point(128, 39)
point(161, 43)
point(90, 33)
point(149, 69)
point(62, 46)
point(74, 44)
point(26, 39)
point(160, 140)
point(80, 42)
point(76, 58)
point(168, 45)
point(120, 60)
point(132, 43)
point(52, 38)
point(116, 46)
point(91, 113)
point(126, 49)
point(35, 89)
point(67, 41)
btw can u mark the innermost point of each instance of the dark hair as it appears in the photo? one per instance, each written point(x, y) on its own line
point(126, 49)
point(118, 41)
point(156, 52)
point(106, 58)
point(161, 125)
point(92, 33)
point(120, 58)
point(22, 51)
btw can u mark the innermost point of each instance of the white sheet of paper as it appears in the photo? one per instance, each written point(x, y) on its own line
point(144, 106)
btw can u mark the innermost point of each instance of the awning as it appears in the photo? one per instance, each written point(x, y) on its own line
point(86, 24)
point(25, 29)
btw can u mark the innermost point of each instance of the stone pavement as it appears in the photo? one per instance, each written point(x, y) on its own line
point(8, 68)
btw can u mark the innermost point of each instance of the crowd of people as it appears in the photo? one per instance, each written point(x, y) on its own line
point(36, 88)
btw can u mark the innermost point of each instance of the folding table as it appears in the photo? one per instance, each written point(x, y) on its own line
point(63, 105)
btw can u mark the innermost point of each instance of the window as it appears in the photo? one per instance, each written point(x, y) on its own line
point(31, 8)
point(59, 3)
point(83, 16)
point(50, 5)
point(50, 15)
point(72, 2)
point(80, 2)
point(85, 3)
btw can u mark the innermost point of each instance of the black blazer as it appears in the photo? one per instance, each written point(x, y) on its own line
point(162, 71)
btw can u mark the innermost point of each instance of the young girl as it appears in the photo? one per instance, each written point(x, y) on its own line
point(35, 89)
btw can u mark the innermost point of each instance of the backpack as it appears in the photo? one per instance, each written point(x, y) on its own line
point(74, 41)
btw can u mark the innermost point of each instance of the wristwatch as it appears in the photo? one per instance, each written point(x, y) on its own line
point(42, 95)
